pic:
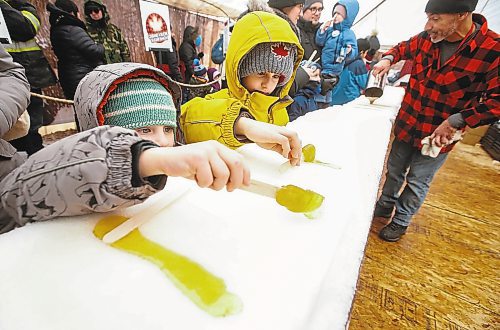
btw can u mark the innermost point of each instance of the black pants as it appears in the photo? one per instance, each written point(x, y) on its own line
point(32, 142)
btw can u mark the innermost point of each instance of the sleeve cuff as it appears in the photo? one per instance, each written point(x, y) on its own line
point(227, 125)
point(457, 121)
point(156, 181)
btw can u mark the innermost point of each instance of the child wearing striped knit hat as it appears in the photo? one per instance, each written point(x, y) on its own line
point(144, 105)
point(130, 96)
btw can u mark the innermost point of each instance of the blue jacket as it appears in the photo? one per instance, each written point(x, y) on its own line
point(303, 102)
point(352, 81)
point(333, 44)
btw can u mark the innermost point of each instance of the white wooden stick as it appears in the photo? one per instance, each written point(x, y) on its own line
point(312, 56)
point(261, 188)
point(141, 218)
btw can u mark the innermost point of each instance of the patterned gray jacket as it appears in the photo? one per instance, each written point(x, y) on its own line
point(14, 99)
point(84, 173)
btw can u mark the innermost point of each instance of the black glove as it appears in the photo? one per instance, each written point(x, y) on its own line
point(201, 55)
point(328, 82)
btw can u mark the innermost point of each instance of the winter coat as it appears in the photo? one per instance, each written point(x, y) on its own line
point(92, 171)
point(76, 52)
point(187, 51)
point(336, 38)
point(213, 117)
point(308, 38)
point(352, 81)
point(304, 101)
point(15, 95)
point(107, 34)
point(88, 172)
point(169, 62)
point(23, 24)
point(93, 91)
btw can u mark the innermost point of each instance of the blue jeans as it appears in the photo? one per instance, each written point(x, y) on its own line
point(407, 163)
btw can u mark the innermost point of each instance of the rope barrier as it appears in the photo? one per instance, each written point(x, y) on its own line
point(55, 99)
point(50, 98)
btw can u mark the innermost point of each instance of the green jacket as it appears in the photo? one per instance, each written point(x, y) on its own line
point(213, 117)
point(107, 34)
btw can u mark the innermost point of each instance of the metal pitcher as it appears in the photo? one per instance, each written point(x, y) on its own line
point(375, 86)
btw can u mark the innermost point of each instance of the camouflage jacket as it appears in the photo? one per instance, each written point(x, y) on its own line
point(116, 48)
point(108, 35)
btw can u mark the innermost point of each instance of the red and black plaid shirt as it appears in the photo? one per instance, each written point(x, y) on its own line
point(467, 83)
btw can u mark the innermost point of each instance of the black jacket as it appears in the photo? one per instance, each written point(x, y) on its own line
point(187, 51)
point(307, 38)
point(76, 52)
point(169, 58)
point(22, 30)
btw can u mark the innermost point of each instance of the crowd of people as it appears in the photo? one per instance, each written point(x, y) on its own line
point(138, 126)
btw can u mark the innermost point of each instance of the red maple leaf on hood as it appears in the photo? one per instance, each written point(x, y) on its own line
point(280, 50)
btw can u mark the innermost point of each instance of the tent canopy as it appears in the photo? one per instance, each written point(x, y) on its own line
point(397, 20)
point(220, 8)
point(394, 20)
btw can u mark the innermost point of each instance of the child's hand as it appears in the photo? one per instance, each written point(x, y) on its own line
point(313, 73)
point(272, 137)
point(326, 25)
point(209, 163)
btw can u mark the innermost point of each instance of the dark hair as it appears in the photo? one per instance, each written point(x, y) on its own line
point(67, 5)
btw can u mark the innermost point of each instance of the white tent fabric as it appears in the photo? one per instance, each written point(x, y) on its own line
point(220, 8)
point(397, 20)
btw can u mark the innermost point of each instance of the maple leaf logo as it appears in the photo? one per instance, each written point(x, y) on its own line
point(280, 50)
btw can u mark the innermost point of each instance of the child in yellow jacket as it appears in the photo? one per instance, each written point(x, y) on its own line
point(261, 61)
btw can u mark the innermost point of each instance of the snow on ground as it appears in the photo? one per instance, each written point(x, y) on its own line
point(290, 272)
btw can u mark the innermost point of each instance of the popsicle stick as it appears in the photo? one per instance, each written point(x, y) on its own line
point(311, 57)
point(141, 218)
point(261, 188)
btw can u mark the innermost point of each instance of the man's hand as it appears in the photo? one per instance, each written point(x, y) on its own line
point(272, 137)
point(443, 135)
point(209, 163)
point(381, 67)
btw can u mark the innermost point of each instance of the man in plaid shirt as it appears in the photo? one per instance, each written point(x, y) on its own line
point(454, 83)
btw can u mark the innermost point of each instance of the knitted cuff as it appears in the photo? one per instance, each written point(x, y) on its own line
point(227, 125)
point(156, 181)
point(119, 162)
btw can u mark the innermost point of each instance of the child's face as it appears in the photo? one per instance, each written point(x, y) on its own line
point(161, 135)
point(339, 14)
point(264, 82)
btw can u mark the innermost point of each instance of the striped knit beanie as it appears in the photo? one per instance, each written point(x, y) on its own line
point(140, 102)
point(273, 57)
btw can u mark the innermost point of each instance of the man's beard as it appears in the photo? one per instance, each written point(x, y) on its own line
point(443, 36)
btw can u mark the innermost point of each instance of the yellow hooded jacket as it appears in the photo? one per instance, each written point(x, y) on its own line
point(213, 117)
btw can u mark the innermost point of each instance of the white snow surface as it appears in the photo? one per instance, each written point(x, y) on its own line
point(290, 272)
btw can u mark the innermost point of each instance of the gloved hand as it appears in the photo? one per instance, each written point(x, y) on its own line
point(328, 82)
point(312, 65)
point(201, 55)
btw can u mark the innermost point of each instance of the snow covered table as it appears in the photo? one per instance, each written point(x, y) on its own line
point(289, 272)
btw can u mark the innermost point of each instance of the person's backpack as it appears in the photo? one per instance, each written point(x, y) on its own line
point(218, 51)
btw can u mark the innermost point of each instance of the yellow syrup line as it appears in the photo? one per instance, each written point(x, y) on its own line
point(203, 288)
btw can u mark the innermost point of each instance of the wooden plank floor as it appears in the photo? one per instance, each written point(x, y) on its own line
point(445, 272)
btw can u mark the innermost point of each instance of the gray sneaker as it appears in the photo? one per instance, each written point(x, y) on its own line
point(383, 212)
point(392, 232)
